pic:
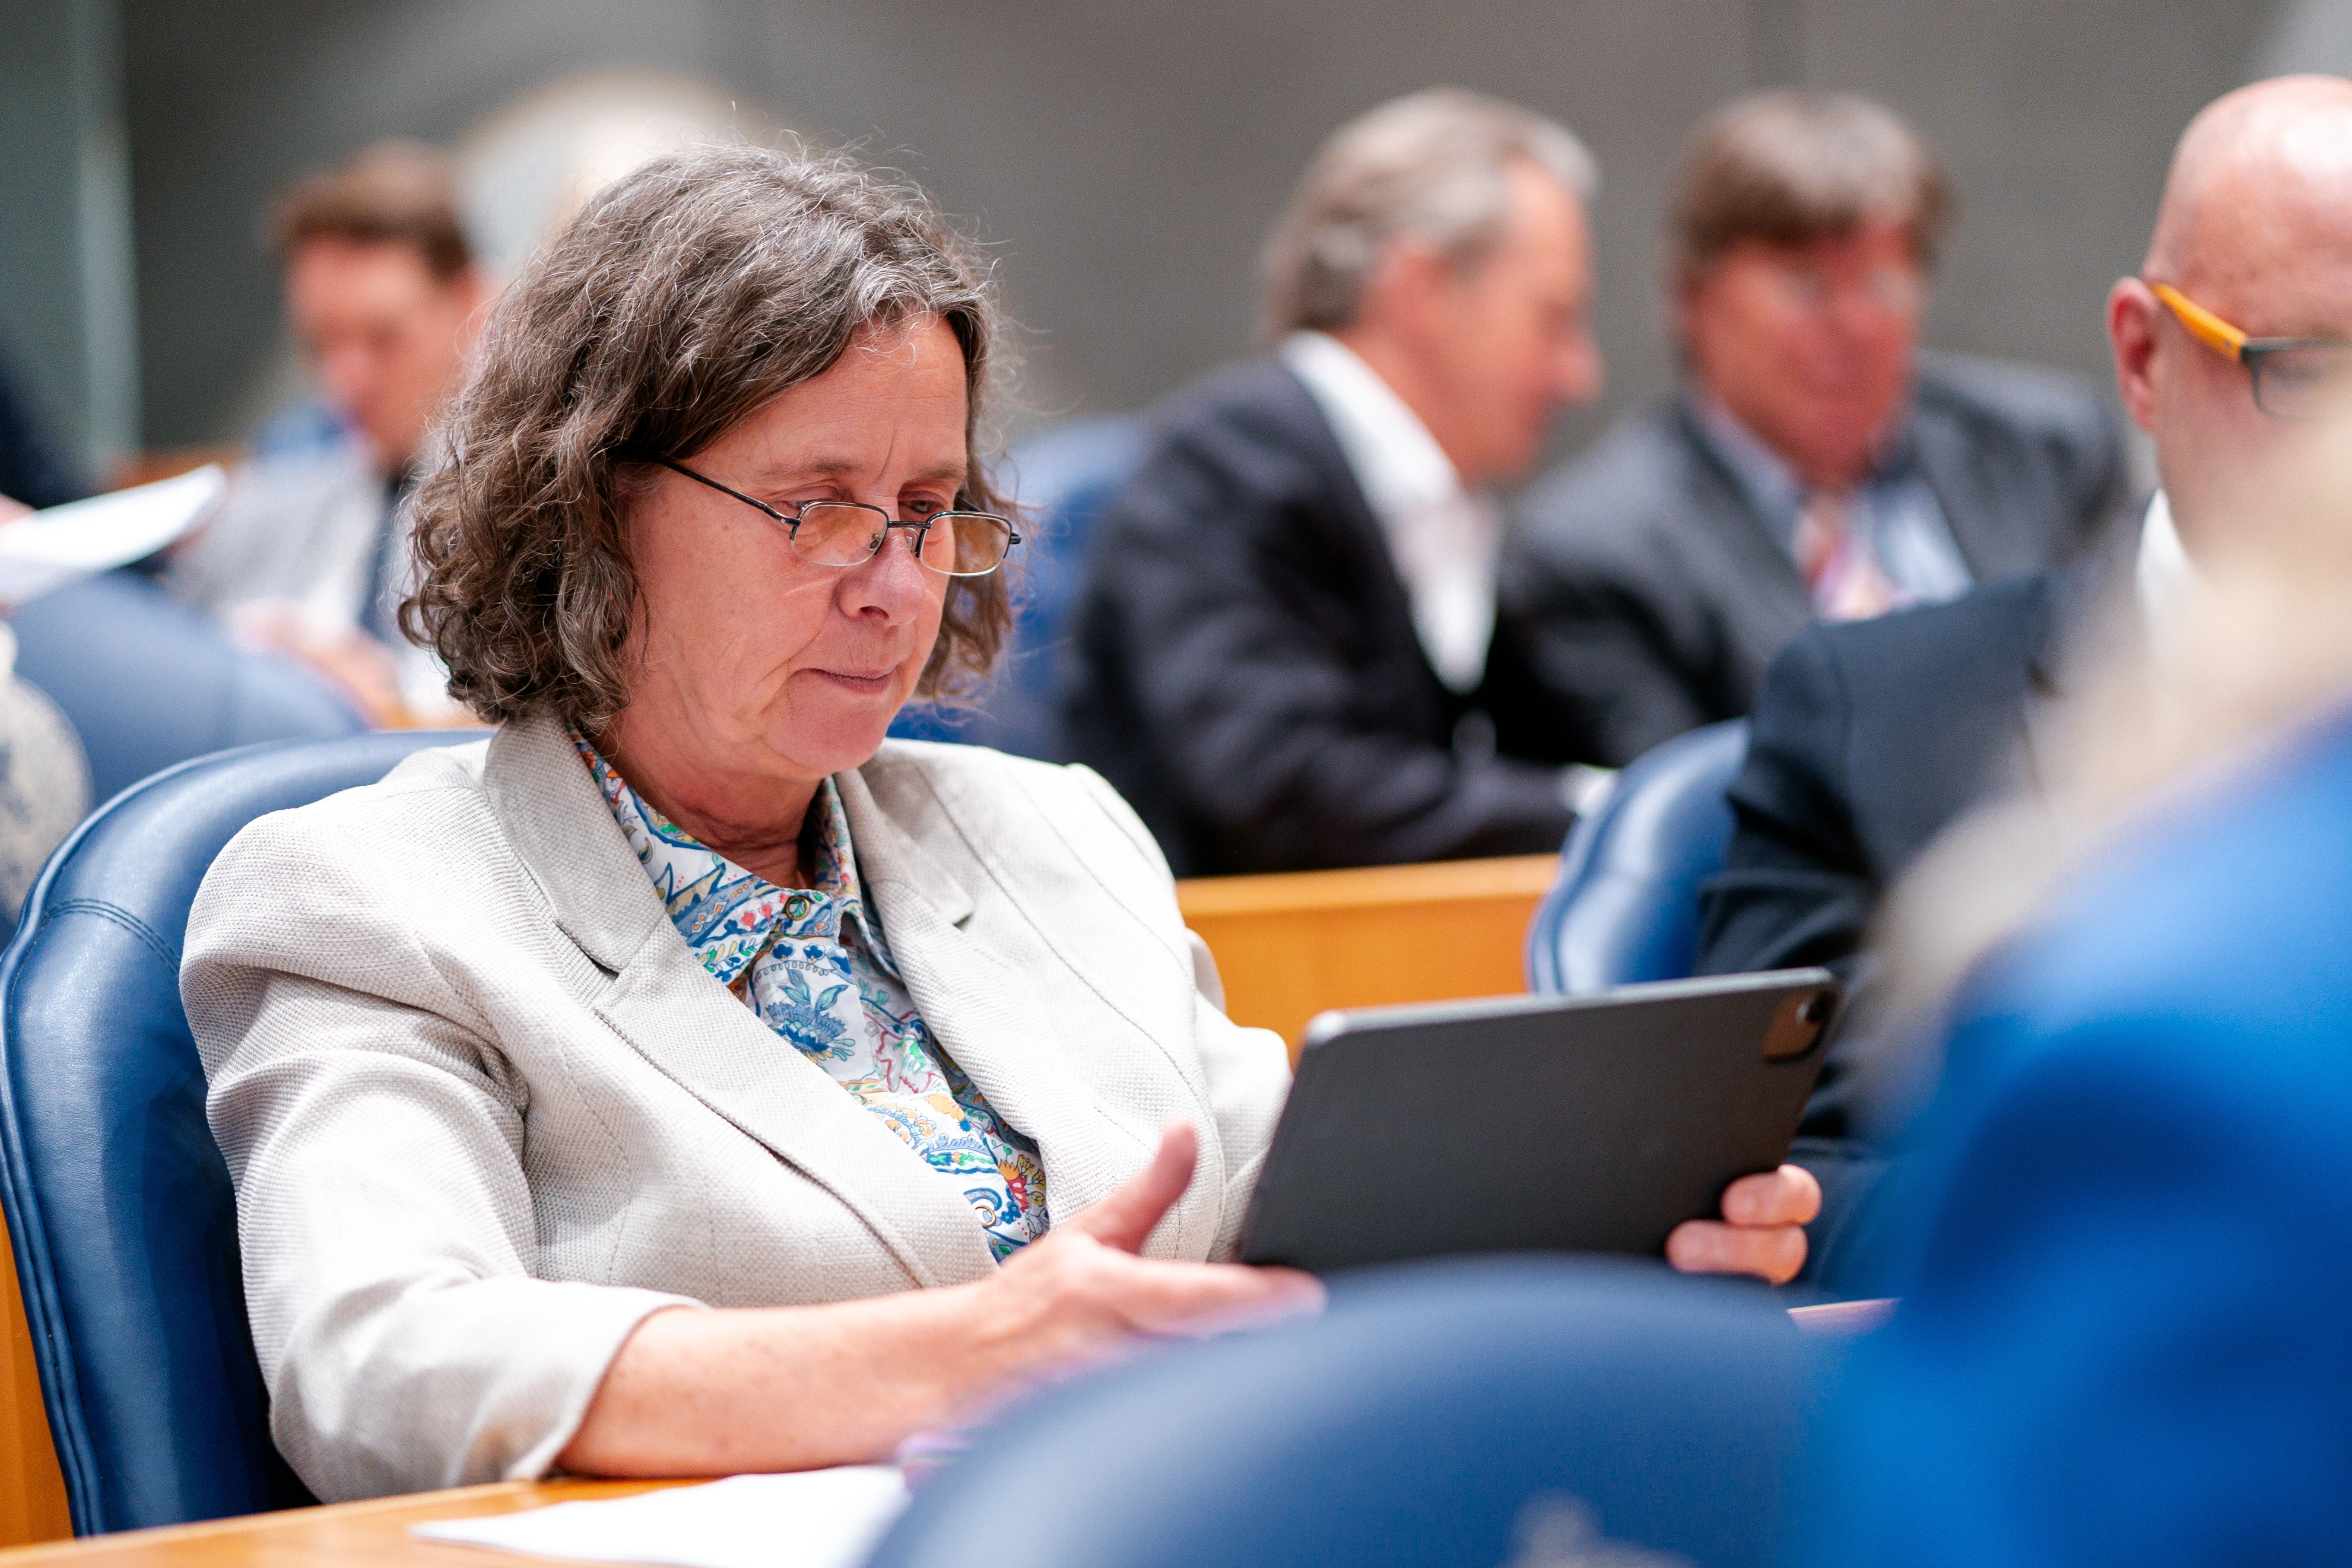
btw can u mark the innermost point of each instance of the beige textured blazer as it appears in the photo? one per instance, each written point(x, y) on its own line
point(485, 1111)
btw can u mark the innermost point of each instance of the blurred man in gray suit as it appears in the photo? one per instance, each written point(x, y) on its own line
point(1814, 464)
point(307, 556)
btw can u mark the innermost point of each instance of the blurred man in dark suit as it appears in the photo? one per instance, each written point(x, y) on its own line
point(1869, 739)
point(1289, 649)
point(1814, 465)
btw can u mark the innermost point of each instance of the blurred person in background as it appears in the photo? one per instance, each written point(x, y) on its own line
point(1814, 464)
point(384, 296)
point(1869, 739)
point(1288, 651)
point(2122, 1333)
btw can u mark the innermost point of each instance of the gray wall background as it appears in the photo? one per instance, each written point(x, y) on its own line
point(1125, 158)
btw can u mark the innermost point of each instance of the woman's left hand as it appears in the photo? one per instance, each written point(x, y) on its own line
point(1762, 1231)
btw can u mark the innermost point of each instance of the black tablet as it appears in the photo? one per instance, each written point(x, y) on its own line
point(1592, 1123)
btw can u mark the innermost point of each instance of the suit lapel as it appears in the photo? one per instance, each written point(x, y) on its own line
point(2090, 616)
point(1766, 575)
point(988, 990)
point(691, 1028)
point(1357, 533)
point(1966, 491)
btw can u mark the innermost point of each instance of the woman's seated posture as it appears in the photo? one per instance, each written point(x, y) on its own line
point(684, 1080)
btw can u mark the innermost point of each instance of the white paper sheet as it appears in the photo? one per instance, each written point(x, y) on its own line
point(817, 1519)
point(43, 552)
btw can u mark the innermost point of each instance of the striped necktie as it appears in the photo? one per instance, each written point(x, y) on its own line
point(1841, 570)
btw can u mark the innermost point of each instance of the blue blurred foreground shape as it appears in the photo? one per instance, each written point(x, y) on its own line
point(118, 1200)
point(2124, 1339)
point(1529, 1411)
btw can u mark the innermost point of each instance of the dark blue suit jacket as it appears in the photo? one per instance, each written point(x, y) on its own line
point(1246, 672)
point(2125, 1333)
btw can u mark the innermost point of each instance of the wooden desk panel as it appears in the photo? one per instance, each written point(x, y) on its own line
point(32, 1489)
point(372, 1535)
point(1291, 945)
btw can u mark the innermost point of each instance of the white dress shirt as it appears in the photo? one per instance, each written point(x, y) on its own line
point(1443, 540)
point(2165, 579)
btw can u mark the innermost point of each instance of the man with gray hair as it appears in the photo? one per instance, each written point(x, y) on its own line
point(1288, 651)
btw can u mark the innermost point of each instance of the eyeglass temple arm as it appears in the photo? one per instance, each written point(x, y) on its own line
point(725, 491)
point(2203, 325)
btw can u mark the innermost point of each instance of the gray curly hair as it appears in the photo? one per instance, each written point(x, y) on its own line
point(679, 300)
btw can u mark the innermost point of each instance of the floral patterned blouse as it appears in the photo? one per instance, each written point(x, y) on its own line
point(812, 964)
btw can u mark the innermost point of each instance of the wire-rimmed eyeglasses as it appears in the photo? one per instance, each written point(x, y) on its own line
point(849, 533)
point(2294, 378)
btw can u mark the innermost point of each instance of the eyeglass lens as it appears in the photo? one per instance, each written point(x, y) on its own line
point(2308, 381)
point(847, 534)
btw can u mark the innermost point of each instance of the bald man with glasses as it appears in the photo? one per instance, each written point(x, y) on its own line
point(1869, 738)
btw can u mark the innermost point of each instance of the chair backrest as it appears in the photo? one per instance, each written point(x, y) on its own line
point(148, 682)
point(117, 1201)
point(1600, 1413)
point(1625, 907)
point(1064, 478)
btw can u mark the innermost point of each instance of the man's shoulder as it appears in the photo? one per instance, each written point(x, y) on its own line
point(1255, 395)
point(1938, 683)
point(1236, 448)
point(2031, 399)
point(1645, 473)
point(2006, 614)
point(271, 493)
point(1254, 414)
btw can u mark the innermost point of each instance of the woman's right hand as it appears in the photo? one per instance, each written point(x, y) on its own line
point(1082, 1287)
point(695, 1393)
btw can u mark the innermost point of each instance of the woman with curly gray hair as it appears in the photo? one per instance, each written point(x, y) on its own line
point(685, 1081)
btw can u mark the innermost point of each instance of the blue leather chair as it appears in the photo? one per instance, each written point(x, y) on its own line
point(118, 1202)
point(1064, 478)
point(147, 682)
point(1598, 1412)
point(1625, 907)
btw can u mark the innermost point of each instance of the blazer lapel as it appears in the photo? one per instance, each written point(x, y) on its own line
point(1357, 535)
point(2092, 616)
point(691, 1028)
point(995, 1011)
point(1765, 593)
point(1968, 492)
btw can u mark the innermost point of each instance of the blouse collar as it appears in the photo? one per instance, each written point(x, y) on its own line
point(727, 915)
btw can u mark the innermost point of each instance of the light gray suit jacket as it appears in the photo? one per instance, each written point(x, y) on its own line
point(485, 1111)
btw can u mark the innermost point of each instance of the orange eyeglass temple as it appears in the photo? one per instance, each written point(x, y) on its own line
point(2203, 325)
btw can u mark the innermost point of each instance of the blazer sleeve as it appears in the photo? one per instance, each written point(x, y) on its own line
point(1208, 597)
point(1247, 1070)
point(376, 1137)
